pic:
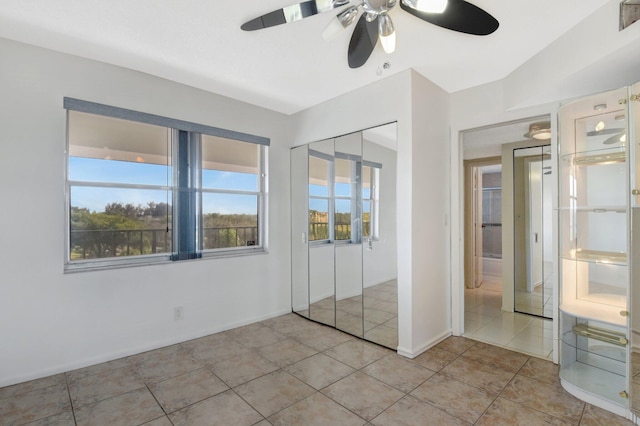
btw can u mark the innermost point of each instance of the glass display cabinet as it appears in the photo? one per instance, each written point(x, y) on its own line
point(595, 245)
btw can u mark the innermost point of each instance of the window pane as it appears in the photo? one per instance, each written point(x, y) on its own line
point(229, 220)
point(104, 149)
point(318, 177)
point(343, 177)
point(230, 164)
point(343, 220)
point(318, 219)
point(113, 222)
point(366, 182)
point(366, 218)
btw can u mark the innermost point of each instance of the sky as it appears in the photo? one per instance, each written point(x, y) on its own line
point(117, 172)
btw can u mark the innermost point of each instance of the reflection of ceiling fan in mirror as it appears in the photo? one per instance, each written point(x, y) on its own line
point(375, 23)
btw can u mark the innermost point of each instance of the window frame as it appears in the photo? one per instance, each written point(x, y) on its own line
point(330, 198)
point(173, 126)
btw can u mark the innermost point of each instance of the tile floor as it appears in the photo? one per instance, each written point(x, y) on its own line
point(377, 314)
point(291, 371)
point(485, 321)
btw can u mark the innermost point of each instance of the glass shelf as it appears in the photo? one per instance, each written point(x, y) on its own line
point(607, 314)
point(600, 159)
point(594, 250)
point(597, 256)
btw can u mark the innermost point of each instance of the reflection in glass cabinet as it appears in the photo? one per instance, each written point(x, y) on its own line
point(344, 233)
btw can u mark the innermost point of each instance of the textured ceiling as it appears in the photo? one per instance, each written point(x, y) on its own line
point(286, 68)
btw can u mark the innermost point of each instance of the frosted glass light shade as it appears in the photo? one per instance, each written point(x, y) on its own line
point(387, 33)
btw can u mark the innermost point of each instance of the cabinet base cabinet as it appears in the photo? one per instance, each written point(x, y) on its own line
point(593, 363)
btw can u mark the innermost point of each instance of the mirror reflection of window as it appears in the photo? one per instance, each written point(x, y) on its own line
point(319, 198)
point(370, 201)
point(344, 179)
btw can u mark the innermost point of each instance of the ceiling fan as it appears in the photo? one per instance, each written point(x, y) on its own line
point(375, 22)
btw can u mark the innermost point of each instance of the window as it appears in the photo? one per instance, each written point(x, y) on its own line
point(345, 193)
point(343, 197)
point(370, 200)
point(143, 188)
point(320, 196)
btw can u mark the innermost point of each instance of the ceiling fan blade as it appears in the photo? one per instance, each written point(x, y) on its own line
point(363, 40)
point(292, 13)
point(614, 139)
point(610, 131)
point(459, 16)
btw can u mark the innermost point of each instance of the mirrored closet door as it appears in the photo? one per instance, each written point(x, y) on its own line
point(344, 233)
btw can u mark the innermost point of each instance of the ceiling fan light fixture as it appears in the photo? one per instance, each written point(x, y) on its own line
point(428, 6)
point(539, 131)
point(387, 33)
point(341, 21)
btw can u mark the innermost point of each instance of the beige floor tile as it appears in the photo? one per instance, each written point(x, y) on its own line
point(349, 323)
point(594, 416)
point(34, 405)
point(216, 347)
point(319, 371)
point(398, 372)
point(506, 413)
point(357, 353)
point(538, 347)
point(376, 316)
point(456, 344)
point(178, 392)
point(109, 383)
point(274, 392)
point(496, 357)
point(161, 421)
point(292, 325)
point(324, 339)
point(241, 369)
point(161, 364)
point(224, 409)
point(286, 352)
point(544, 397)
point(132, 408)
point(32, 385)
point(101, 368)
point(435, 359)
point(383, 335)
point(316, 410)
point(362, 394)
point(456, 398)
point(62, 419)
point(490, 379)
point(255, 335)
point(542, 370)
point(410, 411)
point(324, 316)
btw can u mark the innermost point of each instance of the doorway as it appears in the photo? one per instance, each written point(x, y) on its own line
point(489, 289)
point(483, 224)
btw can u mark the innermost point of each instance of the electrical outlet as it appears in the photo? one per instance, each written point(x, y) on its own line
point(178, 313)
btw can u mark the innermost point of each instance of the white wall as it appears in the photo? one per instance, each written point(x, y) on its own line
point(321, 271)
point(348, 270)
point(380, 263)
point(430, 192)
point(51, 321)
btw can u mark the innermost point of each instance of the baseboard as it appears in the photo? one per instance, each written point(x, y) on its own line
point(407, 353)
point(45, 372)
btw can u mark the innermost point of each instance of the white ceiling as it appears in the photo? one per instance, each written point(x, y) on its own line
point(286, 68)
